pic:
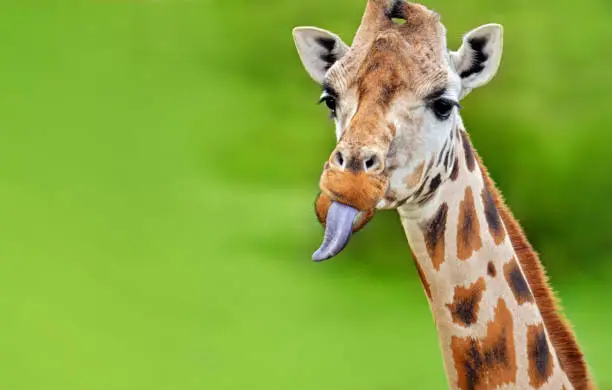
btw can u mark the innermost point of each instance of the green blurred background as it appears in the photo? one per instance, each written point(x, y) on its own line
point(158, 166)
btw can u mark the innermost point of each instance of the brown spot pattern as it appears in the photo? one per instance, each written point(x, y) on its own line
point(560, 332)
point(466, 303)
point(490, 362)
point(496, 227)
point(468, 227)
point(467, 149)
point(447, 159)
point(517, 282)
point(455, 172)
point(433, 231)
point(491, 269)
point(415, 177)
point(430, 166)
point(434, 184)
point(417, 194)
point(539, 356)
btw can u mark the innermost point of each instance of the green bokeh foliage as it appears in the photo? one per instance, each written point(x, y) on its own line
point(159, 161)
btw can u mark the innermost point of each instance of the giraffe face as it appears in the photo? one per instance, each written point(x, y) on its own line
point(394, 98)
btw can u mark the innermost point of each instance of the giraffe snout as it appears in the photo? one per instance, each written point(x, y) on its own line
point(357, 160)
point(357, 189)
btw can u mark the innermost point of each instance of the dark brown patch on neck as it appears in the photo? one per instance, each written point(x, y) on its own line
point(446, 143)
point(455, 172)
point(540, 358)
point(434, 184)
point(496, 227)
point(418, 194)
point(468, 228)
point(433, 232)
point(426, 285)
point(466, 303)
point(517, 282)
point(429, 167)
point(419, 191)
point(467, 149)
point(489, 362)
point(491, 271)
point(560, 333)
point(447, 159)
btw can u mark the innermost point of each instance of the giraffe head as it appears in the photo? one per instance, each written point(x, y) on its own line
point(394, 97)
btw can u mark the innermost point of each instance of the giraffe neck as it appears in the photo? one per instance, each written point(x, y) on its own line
point(485, 302)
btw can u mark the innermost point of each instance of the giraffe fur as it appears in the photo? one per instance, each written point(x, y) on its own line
point(401, 145)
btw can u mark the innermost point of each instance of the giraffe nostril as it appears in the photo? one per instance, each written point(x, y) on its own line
point(339, 159)
point(371, 163)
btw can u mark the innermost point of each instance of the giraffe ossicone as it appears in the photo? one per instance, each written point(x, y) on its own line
point(401, 144)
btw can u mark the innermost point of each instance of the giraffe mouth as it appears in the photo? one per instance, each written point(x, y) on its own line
point(345, 205)
point(339, 224)
point(338, 231)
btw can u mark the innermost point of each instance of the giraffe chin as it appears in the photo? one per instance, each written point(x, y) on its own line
point(338, 230)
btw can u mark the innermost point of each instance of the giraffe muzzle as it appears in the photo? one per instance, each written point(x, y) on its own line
point(345, 205)
point(351, 187)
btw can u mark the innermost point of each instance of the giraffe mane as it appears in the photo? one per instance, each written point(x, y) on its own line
point(559, 329)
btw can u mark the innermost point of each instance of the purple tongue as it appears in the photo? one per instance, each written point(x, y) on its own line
point(338, 229)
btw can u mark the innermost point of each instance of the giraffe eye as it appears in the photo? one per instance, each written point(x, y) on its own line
point(442, 108)
point(330, 102)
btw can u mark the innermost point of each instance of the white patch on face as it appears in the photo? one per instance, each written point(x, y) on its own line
point(347, 108)
point(420, 136)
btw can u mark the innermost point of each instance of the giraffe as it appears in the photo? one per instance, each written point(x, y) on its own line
point(401, 144)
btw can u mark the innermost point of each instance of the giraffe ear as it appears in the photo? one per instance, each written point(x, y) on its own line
point(318, 49)
point(478, 58)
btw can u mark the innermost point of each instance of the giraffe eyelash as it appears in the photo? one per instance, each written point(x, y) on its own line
point(442, 107)
point(330, 101)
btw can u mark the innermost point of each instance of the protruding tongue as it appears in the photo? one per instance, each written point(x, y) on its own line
point(338, 229)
